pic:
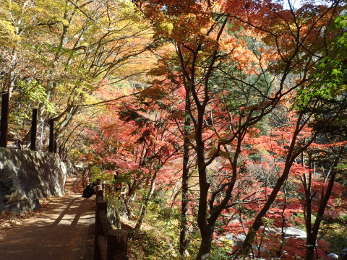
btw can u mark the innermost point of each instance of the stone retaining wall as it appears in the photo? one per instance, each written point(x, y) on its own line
point(27, 176)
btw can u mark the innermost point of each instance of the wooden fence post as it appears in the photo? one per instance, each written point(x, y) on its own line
point(117, 245)
point(51, 144)
point(109, 244)
point(4, 119)
point(101, 208)
point(33, 130)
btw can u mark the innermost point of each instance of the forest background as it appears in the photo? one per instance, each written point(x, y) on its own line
point(221, 124)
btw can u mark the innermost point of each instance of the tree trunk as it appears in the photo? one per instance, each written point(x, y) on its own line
point(129, 196)
point(310, 247)
point(185, 180)
point(308, 215)
point(145, 203)
point(51, 144)
point(312, 236)
point(206, 242)
point(206, 230)
point(258, 222)
point(4, 119)
point(127, 208)
point(33, 130)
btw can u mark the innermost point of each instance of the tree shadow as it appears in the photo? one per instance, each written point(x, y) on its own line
point(63, 230)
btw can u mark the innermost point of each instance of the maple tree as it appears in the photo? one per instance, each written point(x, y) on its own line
point(327, 92)
point(271, 153)
point(134, 145)
point(212, 48)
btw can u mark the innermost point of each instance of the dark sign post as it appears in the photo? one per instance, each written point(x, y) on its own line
point(4, 119)
point(33, 130)
point(51, 144)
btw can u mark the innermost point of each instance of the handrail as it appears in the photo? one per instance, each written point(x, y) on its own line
point(110, 244)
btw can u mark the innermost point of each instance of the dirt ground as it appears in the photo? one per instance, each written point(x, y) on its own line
point(62, 229)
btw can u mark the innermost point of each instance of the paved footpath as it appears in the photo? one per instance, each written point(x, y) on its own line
point(63, 230)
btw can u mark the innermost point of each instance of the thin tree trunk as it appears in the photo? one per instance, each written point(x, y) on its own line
point(4, 119)
point(145, 203)
point(258, 221)
point(185, 180)
point(206, 230)
point(128, 197)
point(308, 211)
point(312, 236)
point(127, 208)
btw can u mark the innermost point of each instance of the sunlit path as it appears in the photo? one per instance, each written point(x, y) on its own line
point(62, 231)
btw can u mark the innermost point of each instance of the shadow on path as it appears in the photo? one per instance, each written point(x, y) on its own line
point(64, 230)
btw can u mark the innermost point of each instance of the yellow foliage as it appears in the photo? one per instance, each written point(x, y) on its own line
point(166, 27)
point(8, 36)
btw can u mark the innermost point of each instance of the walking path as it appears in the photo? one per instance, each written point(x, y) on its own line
point(63, 230)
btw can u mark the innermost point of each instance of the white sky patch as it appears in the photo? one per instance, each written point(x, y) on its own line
point(298, 3)
point(294, 3)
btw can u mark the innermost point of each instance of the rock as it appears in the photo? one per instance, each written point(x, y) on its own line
point(294, 232)
point(332, 256)
point(26, 176)
point(344, 254)
point(289, 232)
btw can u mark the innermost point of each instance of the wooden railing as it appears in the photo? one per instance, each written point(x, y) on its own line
point(109, 244)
